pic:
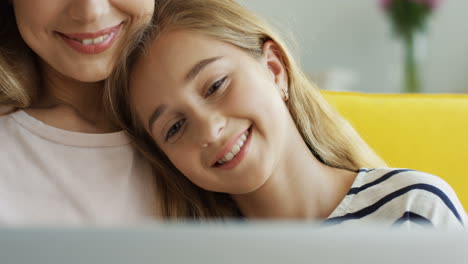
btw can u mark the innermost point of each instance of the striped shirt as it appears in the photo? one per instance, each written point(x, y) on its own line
point(399, 197)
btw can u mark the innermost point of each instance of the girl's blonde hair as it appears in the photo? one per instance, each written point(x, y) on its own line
point(18, 72)
point(329, 136)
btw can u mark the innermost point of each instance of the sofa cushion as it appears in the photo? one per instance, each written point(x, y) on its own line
point(426, 132)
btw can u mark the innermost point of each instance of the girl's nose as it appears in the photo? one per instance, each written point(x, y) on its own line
point(210, 129)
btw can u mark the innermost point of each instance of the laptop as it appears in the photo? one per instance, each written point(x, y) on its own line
point(237, 243)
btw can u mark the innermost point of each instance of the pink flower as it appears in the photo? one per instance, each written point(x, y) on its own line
point(432, 4)
point(385, 4)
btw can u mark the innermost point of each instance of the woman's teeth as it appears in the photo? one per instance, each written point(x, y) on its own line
point(93, 41)
point(235, 149)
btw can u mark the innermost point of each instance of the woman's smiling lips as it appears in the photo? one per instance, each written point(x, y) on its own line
point(92, 43)
point(228, 160)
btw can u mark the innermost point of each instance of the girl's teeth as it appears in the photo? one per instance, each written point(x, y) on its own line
point(244, 137)
point(229, 156)
point(235, 149)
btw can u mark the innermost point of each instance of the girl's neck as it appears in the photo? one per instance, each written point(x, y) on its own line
point(70, 104)
point(301, 187)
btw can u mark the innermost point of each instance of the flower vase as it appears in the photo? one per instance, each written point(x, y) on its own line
point(413, 53)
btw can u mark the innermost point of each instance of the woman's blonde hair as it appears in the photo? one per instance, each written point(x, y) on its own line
point(18, 72)
point(329, 136)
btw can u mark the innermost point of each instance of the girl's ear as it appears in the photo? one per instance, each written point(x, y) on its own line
point(273, 59)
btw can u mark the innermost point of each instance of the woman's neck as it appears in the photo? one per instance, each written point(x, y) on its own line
point(301, 187)
point(69, 104)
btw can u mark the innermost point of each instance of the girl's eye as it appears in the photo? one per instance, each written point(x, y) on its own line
point(174, 129)
point(215, 86)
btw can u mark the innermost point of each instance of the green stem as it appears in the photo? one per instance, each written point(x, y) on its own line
point(412, 83)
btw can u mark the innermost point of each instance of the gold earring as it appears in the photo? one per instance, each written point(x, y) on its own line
point(284, 94)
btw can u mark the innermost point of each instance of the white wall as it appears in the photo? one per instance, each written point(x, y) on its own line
point(353, 37)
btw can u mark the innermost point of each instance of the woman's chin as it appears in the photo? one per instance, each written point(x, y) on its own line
point(90, 77)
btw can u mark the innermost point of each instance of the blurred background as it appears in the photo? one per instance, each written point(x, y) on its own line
point(350, 45)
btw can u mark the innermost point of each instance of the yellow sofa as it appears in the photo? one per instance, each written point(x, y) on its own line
point(427, 132)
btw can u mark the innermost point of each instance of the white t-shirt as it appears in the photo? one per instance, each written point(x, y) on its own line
point(50, 176)
point(399, 197)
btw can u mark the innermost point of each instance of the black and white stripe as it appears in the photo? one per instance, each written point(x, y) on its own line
point(399, 196)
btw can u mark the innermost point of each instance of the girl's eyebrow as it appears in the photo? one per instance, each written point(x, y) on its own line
point(197, 68)
point(155, 115)
point(194, 71)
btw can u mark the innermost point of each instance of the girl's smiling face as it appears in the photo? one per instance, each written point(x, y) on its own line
point(215, 110)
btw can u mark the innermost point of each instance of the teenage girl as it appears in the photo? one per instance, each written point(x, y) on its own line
point(217, 103)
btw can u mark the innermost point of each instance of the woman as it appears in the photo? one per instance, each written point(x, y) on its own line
point(225, 114)
point(62, 160)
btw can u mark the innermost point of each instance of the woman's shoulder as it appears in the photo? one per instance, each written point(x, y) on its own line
point(6, 121)
point(12, 123)
point(29, 129)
